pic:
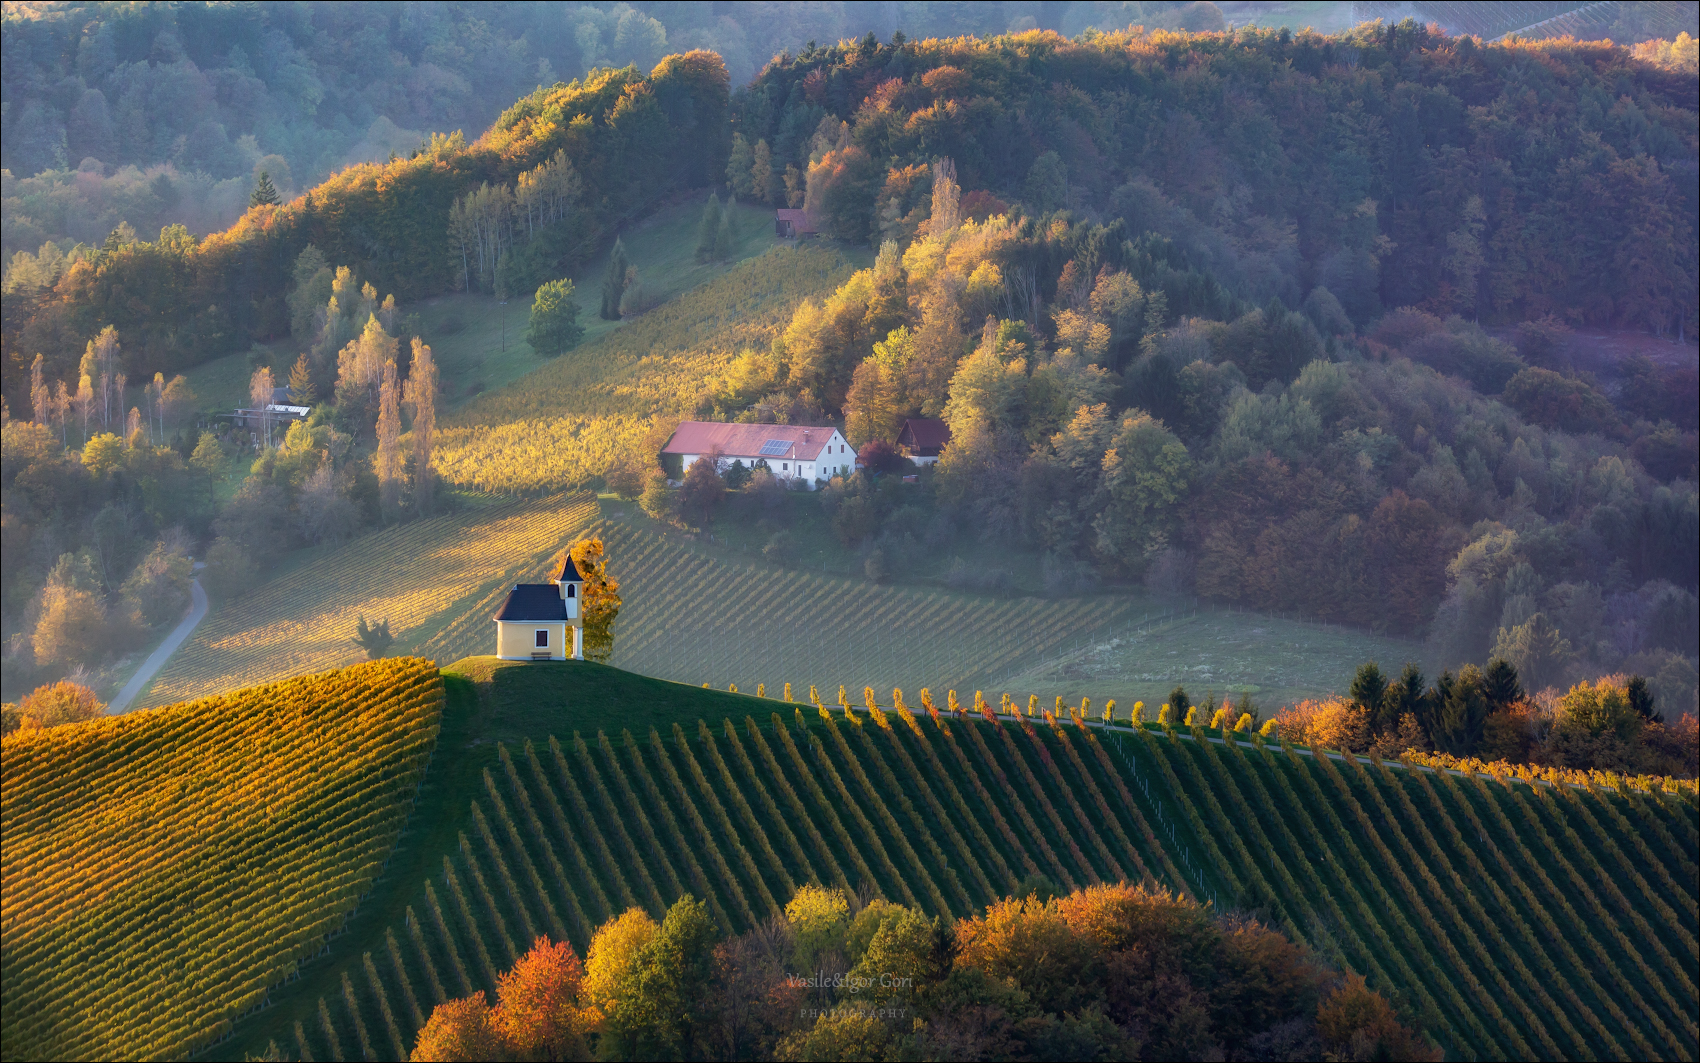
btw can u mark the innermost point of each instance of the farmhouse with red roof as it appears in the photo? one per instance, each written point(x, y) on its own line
point(806, 454)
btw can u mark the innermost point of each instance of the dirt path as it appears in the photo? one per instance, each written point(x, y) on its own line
point(156, 660)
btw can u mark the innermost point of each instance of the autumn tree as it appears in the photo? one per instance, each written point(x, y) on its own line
point(601, 601)
point(540, 1011)
point(301, 388)
point(460, 1031)
point(421, 398)
point(611, 968)
point(387, 461)
point(58, 703)
point(761, 172)
point(614, 281)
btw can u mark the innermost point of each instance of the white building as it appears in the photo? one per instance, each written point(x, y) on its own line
point(535, 620)
point(792, 452)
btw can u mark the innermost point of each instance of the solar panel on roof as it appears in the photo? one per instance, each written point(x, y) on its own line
point(774, 447)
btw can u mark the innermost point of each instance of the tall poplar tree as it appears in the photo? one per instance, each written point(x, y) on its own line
point(421, 397)
point(388, 457)
point(614, 283)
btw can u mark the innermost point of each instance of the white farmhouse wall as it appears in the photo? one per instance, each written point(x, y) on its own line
point(835, 459)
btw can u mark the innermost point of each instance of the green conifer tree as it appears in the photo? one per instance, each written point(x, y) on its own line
point(264, 193)
point(724, 236)
point(614, 282)
point(709, 229)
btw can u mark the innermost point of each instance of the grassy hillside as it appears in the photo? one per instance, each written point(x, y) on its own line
point(562, 423)
point(696, 612)
point(164, 871)
point(480, 345)
point(425, 578)
point(578, 791)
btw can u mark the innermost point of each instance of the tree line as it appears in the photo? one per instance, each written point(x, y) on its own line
point(1112, 970)
point(179, 300)
point(1359, 161)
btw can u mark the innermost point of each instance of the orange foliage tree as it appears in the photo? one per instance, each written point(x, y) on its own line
point(539, 1014)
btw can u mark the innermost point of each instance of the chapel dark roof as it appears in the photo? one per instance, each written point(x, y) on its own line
point(533, 602)
point(569, 571)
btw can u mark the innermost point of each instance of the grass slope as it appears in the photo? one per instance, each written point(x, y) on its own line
point(562, 423)
point(479, 343)
point(698, 612)
point(431, 579)
point(165, 870)
point(576, 791)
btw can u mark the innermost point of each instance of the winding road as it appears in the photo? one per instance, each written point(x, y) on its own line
point(156, 660)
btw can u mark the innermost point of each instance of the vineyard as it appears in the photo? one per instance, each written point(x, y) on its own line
point(1427, 883)
point(694, 615)
point(166, 871)
point(1538, 20)
point(437, 581)
point(563, 422)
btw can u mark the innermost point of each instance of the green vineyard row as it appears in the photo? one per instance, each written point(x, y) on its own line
point(1511, 922)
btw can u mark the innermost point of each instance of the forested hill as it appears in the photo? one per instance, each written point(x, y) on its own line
point(1392, 165)
point(632, 138)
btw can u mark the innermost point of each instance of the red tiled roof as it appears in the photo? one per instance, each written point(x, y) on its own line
point(799, 219)
point(745, 440)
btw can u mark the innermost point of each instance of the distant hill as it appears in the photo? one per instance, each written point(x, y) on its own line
point(167, 871)
point(575, 791)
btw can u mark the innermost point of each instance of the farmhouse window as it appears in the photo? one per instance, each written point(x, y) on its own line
point(543, 637)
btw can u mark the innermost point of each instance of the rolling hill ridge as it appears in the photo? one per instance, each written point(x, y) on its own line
point(572, 792)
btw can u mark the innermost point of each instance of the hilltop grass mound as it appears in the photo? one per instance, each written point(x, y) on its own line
point(1507, 921)
point(165, 871)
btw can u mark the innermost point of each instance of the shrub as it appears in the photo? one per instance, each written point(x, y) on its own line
point(554, 323)
point(57, 703)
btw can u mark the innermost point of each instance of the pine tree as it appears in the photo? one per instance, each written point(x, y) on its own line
point(709, 229)
point(301, 383)
point(724, 236)
point(264, 193)
point(614, 283)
